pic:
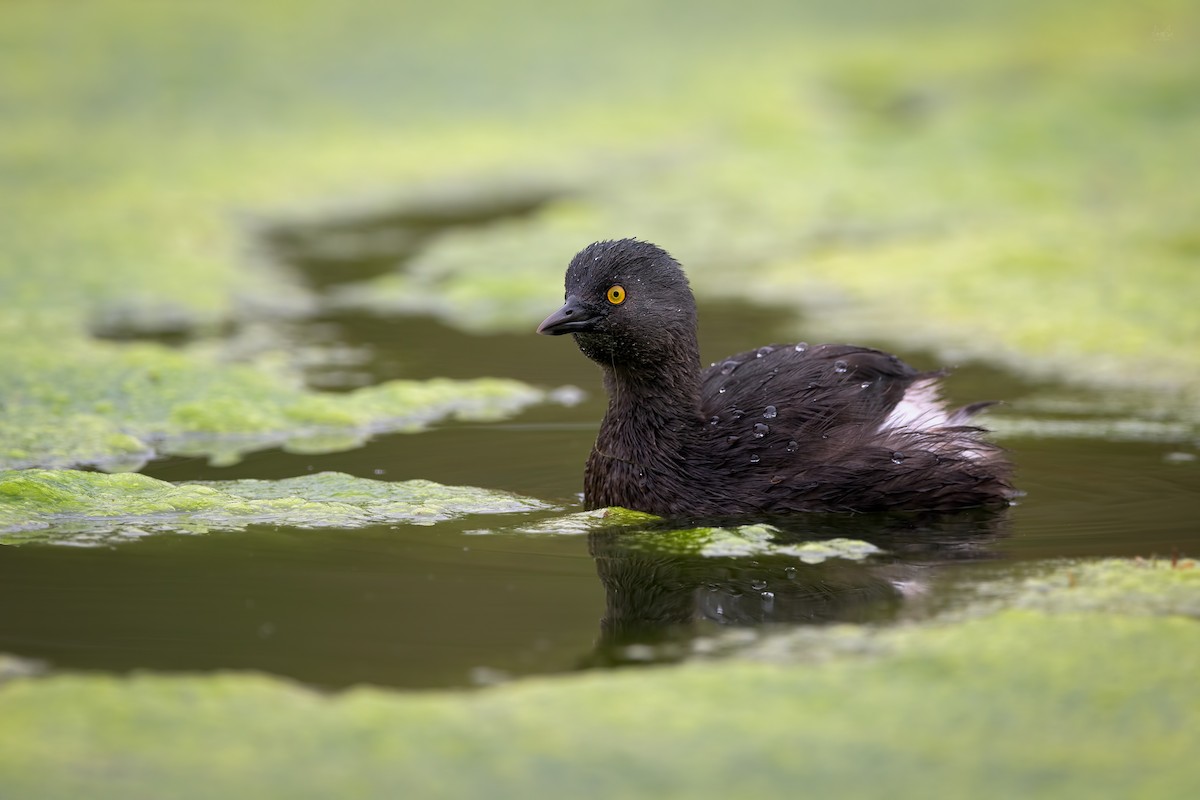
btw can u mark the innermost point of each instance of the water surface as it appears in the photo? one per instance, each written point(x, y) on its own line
point(417, 607)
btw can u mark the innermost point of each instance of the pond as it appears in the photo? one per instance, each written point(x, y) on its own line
point(448, 606)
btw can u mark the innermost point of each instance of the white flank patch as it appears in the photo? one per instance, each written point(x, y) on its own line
point(921, 409)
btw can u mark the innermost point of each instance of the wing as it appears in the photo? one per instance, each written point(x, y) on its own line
point(842, 427)
point(805, 392)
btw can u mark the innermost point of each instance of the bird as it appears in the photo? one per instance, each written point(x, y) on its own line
point(778, 430)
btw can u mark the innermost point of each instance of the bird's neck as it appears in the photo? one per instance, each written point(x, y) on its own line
point(650, 427)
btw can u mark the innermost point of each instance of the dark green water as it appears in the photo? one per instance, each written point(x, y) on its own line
point(439, 606)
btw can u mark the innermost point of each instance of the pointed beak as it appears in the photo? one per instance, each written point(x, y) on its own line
point(573, 317)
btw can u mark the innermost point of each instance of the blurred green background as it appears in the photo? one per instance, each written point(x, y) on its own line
point(1007, 181)
point(185, 185)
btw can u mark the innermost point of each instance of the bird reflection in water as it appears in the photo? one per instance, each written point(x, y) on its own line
point(657, 604)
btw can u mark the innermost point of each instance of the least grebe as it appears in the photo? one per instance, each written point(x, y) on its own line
point(780, 429)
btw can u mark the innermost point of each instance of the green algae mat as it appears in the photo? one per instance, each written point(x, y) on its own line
point(646, 533)
point(119, 406)
point(1068, 691)
point(88, 508)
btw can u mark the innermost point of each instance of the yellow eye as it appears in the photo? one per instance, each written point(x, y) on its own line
point(616, 295)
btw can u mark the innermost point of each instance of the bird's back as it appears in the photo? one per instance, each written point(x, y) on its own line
point(840, 427)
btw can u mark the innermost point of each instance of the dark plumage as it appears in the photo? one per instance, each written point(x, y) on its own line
point(780, 429)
